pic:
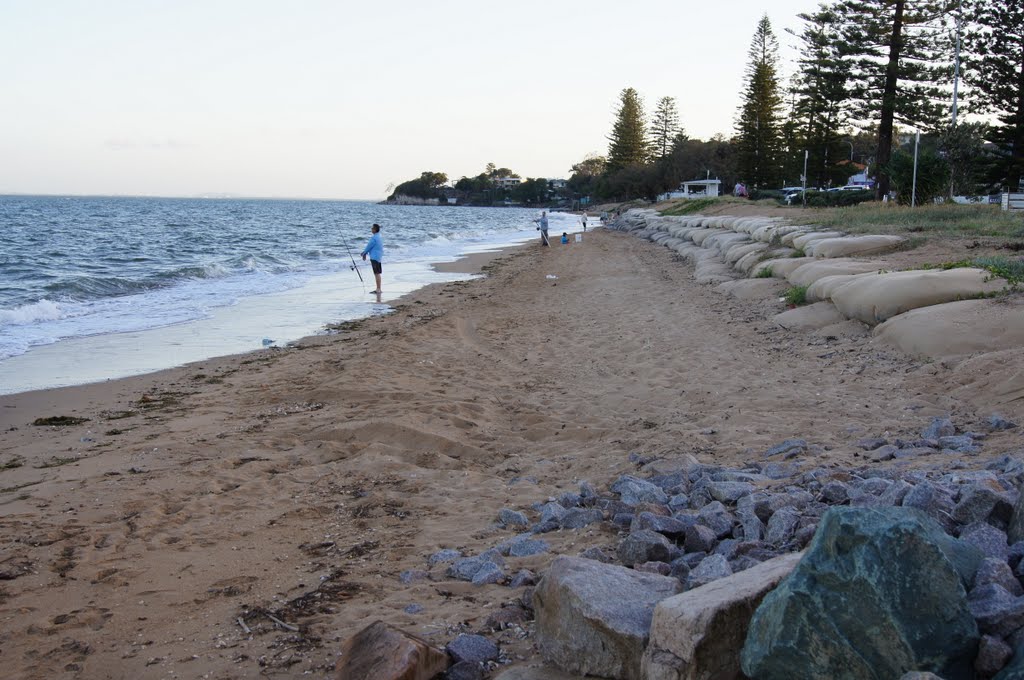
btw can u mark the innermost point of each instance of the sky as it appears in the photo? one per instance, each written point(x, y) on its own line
point(340, 99)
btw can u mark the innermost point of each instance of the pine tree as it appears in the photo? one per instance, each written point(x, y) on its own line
point(900, 52)
point(664, 126)
point(628, 140)
point(820, 93)
point(760, 119)
point(995, 70)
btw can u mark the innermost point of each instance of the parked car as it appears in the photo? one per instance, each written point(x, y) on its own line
point(851, 187)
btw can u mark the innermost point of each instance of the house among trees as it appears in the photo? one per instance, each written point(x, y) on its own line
point(698, 188)
point(506, 183)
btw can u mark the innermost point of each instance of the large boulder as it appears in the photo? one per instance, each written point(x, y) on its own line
point(594, 618)
point(699, 634)
point(385, 653)
point(881, 591)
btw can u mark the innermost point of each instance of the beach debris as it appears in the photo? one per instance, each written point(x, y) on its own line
point(59, 421)
point(267, 342)
point(550, 276)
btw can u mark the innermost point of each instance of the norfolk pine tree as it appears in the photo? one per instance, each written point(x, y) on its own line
point(819, 101)
point(899, 51)
point(664, 126)
point(759, 126)
point(995, 49)
point(628, 140)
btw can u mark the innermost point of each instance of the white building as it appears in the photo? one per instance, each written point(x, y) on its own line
point(506, 182)
point(698, 188)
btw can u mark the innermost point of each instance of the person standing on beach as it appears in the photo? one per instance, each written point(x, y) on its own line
point(375, 249)
point(542, 224)
point(584, 220)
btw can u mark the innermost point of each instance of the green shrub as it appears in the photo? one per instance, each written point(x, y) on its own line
point(764, 273)
point(796, 296)
point(761, 194)
point(838, 199)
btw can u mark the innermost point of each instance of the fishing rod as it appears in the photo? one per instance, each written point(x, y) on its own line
point(351, 257)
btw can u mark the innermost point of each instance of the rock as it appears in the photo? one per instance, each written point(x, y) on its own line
point(958, 443)
point(752, 526)
point(412, 575)
point(835, 492)
point(939, 427)
point(634, 491)
point(594, 618)
point(919, 675)
point(993, 654)
point(836, 615)
point(513, 518)
point(534, 673)
point(994, 570)
point(623, 519)
point(997, 611)
point(884, 453)
point(545, 527)
point(976, 503)
point(523, 577)
point(654, 568)
point(570, 500)
point(525, 547)
point(552, 512)
point(986, 538)
point(1015, 530)
point(444, 556)
point(666, 526)
point(695, 635)
point(465, 568)
point(645, 546)
point(595, 553)
point(413, 608)
point(472, 648)
point(465, 670)
point(679, 568)
point(577, 518)
point(507, 616)
point(895, 494)
point(487, 574)
point(789, 448)
point(380, 651)
point(729, 492)
point(711, 568)
point(699, 538)
point(715, 516)
point(781, 526)
point(871, 443)
point(996, 422)
point(1015, 669)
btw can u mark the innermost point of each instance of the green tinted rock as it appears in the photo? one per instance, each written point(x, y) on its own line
point(881, 591)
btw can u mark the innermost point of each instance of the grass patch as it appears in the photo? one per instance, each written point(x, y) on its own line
point(12, 464)
point(18, 487)
point(764, 273)
point(799, 252)
point(689, 206)
point(796, 296)
point(945, 220)
point(59, 421)
point(1003, 267)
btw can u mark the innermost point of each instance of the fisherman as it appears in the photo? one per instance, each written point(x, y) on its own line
point(542, 224)
point(375, 249)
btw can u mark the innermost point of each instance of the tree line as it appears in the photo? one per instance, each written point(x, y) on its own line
point(484, 189)
point(869, 72)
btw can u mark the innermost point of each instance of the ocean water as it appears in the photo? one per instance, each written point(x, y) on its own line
point(93, 288)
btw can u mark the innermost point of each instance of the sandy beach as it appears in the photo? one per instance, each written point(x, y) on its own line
point(162, 536)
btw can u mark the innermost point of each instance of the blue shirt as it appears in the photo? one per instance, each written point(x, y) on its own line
point(374, 248)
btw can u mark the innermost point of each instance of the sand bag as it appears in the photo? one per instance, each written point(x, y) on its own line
point(813, 270)
point(874, 299)
point(823, 288)
point(852, 245)
point(957, 328)
point(802, 240)
point(809, 317)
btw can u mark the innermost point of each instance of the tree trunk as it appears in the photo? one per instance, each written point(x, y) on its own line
point(1016, 166)
point(884, 152)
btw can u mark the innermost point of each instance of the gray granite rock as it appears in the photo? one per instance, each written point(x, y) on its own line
point(939, 427)
point(465, 670)
point(834, 617)
point(634, 491)
point(667, 526)
point(788, 448)
point(993, 655)
point(577, 518)
point(513, 518)
point(487, 574)
point(994, 570)
point(977, 502)
point(835, 492)
point(597, 554)
point(782, 526)
point(444, 556)
point(997, 422)
point(413, 575)
point(699, 538)
point(661, 568)
point(729, 492)
point(871, 443)
point(523, 577)
point(711, 568)
point(752, 526)
point(552, 512)
point(996, 610)
point(472, 648)
point(986, 538)
point(645, 546)
point(465, 568)
point(959, 444)
point(716, 517)
point(594, 619)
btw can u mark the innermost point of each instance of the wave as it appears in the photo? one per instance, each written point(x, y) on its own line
point(44, 310)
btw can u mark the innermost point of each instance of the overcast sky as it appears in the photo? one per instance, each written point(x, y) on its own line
point(338, 99)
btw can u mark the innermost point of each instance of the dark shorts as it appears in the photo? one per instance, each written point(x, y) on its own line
point(375, 265)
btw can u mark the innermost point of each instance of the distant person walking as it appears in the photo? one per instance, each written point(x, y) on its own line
point(584, 220)
point(375, 249)
point(740, 190)
point(542, 224)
